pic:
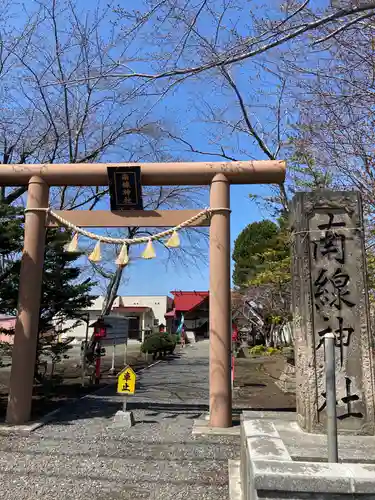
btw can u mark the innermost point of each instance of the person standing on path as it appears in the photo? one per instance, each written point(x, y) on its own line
point(183, 339)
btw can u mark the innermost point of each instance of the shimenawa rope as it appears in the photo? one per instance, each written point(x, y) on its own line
point(129, 241)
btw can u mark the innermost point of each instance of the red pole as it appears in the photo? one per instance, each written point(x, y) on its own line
point(232, 371)
point(99, 333)
point(97, 369)
point(98, 360)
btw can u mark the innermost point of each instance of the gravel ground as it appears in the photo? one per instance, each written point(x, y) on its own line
point(85, 453)
point(52, 394)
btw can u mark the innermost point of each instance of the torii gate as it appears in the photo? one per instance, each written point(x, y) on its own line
point(219, 175)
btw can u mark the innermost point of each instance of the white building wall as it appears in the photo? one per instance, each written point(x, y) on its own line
point(159, 304)
point(79, 331)
point(96, 305)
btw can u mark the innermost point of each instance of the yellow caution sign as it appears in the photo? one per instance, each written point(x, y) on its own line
point(126, 381)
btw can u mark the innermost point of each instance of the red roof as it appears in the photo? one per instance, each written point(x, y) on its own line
point(187, 301)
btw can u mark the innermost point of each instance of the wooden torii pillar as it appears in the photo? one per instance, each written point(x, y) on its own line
point(219, 175)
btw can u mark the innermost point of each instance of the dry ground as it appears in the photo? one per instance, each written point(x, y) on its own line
point(254, 384)
point(67, 386)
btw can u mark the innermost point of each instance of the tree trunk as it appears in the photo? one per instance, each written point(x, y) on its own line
point(111, 292)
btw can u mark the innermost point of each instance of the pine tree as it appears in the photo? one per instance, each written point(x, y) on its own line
point(63, 295)
point(11, 234)
point(249, 248)
point(11, 238)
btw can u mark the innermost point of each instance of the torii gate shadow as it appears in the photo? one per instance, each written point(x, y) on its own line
point(101, 407)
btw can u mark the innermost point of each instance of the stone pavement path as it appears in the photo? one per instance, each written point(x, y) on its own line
point(86, 455)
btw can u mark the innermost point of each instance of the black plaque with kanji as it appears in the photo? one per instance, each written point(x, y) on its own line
point(125, 188)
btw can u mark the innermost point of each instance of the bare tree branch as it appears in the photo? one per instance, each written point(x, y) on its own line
point(236, 54)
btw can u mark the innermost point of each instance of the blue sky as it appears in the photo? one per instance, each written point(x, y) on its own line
point(149, 277)
point(181, 113)
point(185, 113)
point(203, 110)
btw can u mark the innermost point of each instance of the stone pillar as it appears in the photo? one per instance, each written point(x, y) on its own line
point(329, 294)
point(220, 306)
point(26, 330)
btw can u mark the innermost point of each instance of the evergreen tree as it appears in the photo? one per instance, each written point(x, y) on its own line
point(249, 250)
point(263, 251)
point(11, 238)
point(63, 293)
point(11, 234)
point(276, 258)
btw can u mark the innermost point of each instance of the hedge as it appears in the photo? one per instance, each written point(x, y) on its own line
point(159, 343)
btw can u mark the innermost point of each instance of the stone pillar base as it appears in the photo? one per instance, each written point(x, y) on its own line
point(124, 418)
point(294, 466)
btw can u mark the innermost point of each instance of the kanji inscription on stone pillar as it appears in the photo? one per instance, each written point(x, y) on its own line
point(329, 294)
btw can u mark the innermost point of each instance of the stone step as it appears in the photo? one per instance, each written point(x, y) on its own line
point(188, 450)
point(135, 471)
point(42, 487)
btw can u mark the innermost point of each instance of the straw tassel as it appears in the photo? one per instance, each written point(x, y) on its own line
point(73, 245)
point(149, 252)
point(95, 255)
point(123, 257)
point(174, 241)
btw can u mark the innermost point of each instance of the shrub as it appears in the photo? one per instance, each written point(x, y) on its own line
point(257, 350)
point(261, 350)
point(168, 342)
point(159, 343)
point(171, 340)
point(272, 350)
point(152, 344)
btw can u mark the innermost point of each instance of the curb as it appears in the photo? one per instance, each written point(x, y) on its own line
point(235, 488)
point(25, 430)
point(148, 366)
